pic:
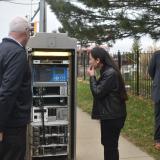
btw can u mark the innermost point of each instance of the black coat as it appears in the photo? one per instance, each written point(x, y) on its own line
point(15, 85)
point(154, 72)
point(107, 103)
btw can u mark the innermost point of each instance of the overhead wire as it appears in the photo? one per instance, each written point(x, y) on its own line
point(20, 3)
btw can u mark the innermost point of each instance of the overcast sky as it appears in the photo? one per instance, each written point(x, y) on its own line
point(10, 10)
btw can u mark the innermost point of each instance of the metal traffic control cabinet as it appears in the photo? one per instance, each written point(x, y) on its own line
point(52, 132)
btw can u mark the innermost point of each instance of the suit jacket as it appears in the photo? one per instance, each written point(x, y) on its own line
point(15, 85)
point(154, 72)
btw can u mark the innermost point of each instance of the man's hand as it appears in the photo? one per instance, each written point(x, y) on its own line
point(1, 136)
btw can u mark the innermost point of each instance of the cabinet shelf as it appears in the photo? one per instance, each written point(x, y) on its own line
point(53, 106)
point(51, 155)
point(52, 145)
point(49, 84)
point(53, 135)
point(49, 96)
point(55, 123)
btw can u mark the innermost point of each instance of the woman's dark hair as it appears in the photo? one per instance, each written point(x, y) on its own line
point(106, 60)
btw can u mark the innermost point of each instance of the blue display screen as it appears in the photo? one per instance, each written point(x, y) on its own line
point(48, 73)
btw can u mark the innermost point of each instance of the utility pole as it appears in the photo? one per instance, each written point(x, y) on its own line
point(42, 24)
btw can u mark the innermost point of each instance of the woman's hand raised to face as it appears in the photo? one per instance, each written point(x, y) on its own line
point(91, 71)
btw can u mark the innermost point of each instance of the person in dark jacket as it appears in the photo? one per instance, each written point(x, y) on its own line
point(154, 72)
point(15, 91)
point(109, 96)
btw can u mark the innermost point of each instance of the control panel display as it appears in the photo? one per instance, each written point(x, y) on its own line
point(49, 73)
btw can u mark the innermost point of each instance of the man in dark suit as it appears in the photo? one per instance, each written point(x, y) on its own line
point(154, 72)
point(15, 91)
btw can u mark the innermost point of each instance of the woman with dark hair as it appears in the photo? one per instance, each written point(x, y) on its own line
point(109, 96)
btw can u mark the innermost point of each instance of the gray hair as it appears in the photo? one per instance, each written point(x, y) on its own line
point(19, 24)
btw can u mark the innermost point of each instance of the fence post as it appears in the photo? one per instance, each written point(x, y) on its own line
point(137, 73)
point(84, 67)
point(119, 60)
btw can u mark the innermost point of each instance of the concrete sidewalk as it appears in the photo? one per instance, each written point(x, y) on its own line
point(90, 148)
